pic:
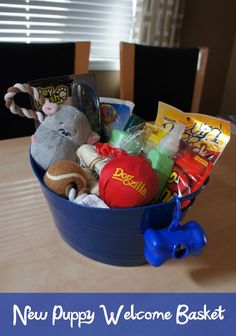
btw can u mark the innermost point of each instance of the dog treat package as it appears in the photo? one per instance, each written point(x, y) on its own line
point(189, 173)
point(115, 113)
point(203, 141)
point(207, 135)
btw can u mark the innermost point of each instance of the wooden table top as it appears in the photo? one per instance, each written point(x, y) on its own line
point(34, 258)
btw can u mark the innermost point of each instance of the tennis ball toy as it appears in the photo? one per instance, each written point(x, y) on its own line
point(63, 175)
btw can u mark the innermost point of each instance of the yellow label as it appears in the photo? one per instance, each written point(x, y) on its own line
point(57, 94)
point(154, 133)
point(128, 180)
point(207, 135)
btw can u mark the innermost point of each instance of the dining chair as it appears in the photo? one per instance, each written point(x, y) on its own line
point(149, 74)
point(22, 62)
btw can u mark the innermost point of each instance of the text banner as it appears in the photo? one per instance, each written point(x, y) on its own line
point(117, 314)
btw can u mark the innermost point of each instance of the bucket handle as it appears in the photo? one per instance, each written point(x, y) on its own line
point(174, 242)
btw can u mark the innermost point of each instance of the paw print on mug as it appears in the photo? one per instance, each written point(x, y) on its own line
point(62, 92)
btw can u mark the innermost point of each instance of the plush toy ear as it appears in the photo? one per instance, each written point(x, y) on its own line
point(93, 138)
point(49, 108)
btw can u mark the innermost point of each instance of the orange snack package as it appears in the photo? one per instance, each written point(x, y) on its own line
point(203, 141)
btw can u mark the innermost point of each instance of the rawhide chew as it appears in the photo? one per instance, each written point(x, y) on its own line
point(89, 157)
point(127, 181)
point(63, 175)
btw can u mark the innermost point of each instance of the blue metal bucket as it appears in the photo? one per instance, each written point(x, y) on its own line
point(111, 236)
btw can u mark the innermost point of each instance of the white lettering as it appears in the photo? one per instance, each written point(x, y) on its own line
point(183, 315)
point(140, 315)
point(112, 319)
point(79, 317)
point(28, 314)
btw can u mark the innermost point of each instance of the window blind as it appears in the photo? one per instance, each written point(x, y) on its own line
point(105, 23)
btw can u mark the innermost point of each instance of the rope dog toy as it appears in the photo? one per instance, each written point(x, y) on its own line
point(21, 111)
point(62, 130)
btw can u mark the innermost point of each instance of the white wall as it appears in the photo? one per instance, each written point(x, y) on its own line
point(228, 106)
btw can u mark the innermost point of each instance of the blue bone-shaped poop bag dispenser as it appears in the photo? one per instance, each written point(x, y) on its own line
point(175, 242)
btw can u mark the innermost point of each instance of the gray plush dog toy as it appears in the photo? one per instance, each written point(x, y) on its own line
point(60, 133)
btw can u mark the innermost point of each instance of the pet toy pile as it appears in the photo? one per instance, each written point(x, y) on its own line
point(131, 162)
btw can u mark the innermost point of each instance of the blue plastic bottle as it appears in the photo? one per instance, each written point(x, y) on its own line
point(162, 157)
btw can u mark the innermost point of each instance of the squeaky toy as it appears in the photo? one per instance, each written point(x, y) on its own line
point(60, 133)
point(63, 175)
point(127, 181)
